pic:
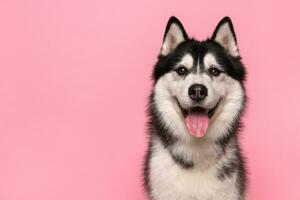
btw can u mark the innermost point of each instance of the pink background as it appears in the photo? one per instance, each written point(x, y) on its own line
point(74, 79)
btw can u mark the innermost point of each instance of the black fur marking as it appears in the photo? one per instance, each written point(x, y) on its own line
point(157, 127)
point(146, 180)
point(198, 49)
point(242, 175)
point(227, 170)
point(182, 162)
point(237, 164)
point(233, 65)
point(226, 139)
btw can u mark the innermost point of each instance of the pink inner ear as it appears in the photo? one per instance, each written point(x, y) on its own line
point(225, 41)
point(225, 37)
point(172, 42)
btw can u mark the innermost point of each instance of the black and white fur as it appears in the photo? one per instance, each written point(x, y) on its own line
point(179, 166)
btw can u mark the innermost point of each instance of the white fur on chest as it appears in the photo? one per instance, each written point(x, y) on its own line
point(169, 181)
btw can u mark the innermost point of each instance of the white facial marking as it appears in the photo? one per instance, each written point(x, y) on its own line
point(198, 66)
point(228, 109)
point(164, 91)
point(210, 60)
point(187, 61)
point(172, 88)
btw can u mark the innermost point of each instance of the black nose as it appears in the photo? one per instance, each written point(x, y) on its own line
point(197, 92)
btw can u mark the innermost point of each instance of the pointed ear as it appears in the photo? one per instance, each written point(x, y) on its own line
point(225, 36)
point(174, 35)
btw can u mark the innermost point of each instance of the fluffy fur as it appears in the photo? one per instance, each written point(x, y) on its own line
point(179, 166)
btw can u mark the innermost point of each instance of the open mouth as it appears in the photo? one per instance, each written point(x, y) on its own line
point(197, 119)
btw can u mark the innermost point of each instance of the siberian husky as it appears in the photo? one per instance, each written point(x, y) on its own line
point(194, 112)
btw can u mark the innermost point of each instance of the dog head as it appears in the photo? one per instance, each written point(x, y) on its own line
point(198, 85)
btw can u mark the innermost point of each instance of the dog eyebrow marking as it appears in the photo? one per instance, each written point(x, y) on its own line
point(209, 60)
point(187, 60)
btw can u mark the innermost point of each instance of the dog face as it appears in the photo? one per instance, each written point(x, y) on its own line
point(198, 84)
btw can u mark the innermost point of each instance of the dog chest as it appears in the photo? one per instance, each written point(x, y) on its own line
point(169, 180)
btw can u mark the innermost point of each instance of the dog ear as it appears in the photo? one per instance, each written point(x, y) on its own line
point(225, 36)
point(174, 35)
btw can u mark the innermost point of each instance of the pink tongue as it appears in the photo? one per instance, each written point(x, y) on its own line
point(197, 124)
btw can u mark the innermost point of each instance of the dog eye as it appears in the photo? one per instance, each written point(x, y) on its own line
point(214, 71)
point(181, 70)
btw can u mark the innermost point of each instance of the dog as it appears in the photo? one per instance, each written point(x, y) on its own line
point(194, 110)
